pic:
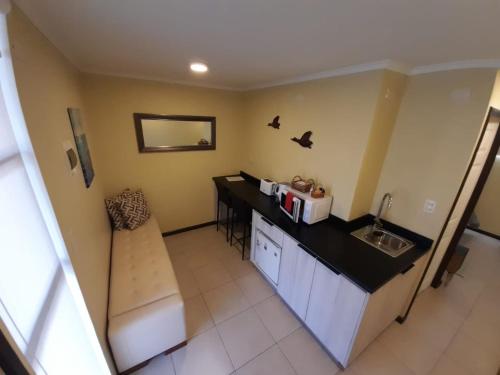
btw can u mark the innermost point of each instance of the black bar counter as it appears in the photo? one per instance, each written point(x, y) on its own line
point(330, 240)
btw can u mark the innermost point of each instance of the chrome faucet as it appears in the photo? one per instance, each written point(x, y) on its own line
point(378, 223)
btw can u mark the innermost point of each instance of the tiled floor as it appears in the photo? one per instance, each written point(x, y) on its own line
point(238, 325)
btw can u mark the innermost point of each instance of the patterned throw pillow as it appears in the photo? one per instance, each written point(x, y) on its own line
point(134, 209)
point(114, 210)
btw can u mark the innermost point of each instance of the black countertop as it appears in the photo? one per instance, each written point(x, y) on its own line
point(331, 242)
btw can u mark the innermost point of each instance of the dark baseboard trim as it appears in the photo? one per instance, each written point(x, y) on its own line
point(146, 362)
point(176, 347)
point(186, 229)
point(478, 230)
point(401, 319)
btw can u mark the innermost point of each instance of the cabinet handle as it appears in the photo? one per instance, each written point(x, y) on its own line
point(265, 247)
point(407, 269)
point(267, 221)
point(275, 254)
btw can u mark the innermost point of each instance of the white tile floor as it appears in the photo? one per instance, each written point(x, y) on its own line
point(238, 325)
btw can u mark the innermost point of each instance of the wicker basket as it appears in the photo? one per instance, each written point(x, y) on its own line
point(301, 185)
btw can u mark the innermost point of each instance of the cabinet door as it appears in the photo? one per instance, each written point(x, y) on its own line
point(296, 275)
point(335, 309)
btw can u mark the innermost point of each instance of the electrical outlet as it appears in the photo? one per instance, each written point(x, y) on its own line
point(429, 206)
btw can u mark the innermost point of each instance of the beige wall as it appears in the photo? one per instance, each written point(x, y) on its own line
point(489, 201)
point(340, 113)
point(47, 85)
point(388, 103)
point(488, 206)
point(436, 129)
point(177, 185)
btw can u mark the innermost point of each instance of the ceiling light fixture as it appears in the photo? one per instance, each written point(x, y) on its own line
point(198, 67)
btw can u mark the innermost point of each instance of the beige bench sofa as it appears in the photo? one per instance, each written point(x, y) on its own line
point(146, 310)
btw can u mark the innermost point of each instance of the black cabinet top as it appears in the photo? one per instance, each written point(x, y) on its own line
point(331, 242)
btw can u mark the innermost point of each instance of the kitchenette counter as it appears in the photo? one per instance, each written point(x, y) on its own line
point(330, 241)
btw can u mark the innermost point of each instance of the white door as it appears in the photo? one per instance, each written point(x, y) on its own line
point(42, 309)
point(320, 311)
point(335, 310)
point(296, 275)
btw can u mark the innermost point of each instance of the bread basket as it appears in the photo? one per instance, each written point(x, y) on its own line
point(304, 186)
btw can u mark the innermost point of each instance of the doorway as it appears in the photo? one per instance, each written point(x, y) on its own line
point(467, 197)
point(485, 218)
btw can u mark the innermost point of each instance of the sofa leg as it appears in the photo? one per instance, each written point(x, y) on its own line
point(174, 348)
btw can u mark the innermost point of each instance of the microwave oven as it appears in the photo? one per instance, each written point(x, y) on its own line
point(304, 207)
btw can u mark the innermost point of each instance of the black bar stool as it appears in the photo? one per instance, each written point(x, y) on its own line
point(242, 214)
point(224, 197)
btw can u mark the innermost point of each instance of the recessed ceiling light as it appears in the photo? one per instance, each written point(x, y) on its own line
point(198, 67)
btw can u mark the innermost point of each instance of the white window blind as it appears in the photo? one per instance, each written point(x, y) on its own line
point(40, 300)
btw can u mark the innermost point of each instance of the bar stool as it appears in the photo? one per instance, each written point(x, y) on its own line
point(242, 212)
point(223, 196)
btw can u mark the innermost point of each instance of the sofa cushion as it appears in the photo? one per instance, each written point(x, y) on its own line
point(141, 271)
point(134, 209)
point(114, 210)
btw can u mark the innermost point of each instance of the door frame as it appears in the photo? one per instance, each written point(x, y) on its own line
point(9, 361)
point(471, 204)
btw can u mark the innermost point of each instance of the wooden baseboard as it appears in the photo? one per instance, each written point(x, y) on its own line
point(174, 348)
point(478, 230)
point(135, 368)
point(145, 363)
point(186, 229)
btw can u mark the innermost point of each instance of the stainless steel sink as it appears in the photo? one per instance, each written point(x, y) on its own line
point(383, 240)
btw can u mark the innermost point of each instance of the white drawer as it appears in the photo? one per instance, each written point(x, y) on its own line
point(267, 256)
point(269, 229)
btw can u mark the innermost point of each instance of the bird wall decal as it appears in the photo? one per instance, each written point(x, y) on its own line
point(275, 124)
point(304, 141)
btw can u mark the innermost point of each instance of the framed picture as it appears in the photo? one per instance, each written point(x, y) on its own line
point(81, 145)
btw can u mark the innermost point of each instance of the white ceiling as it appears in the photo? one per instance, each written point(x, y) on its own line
point(255, 43)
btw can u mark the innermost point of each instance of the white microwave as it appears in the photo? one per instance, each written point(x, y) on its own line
point(309, 209)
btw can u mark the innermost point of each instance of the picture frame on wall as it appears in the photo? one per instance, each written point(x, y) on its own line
point(81, 145)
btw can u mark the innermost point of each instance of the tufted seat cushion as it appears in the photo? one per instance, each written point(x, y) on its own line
point(141, 270)
point(146, 310)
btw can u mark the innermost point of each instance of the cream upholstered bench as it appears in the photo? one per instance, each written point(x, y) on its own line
point(146, 310)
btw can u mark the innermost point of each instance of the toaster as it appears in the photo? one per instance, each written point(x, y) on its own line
point(268, 187)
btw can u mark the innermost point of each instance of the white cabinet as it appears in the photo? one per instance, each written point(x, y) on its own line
point(267, 256)
point(296, 275)
point(335, 310)
point(342, 316)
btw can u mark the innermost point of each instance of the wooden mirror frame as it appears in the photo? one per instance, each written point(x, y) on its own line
point(138, 117)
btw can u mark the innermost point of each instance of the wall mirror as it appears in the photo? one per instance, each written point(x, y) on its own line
point(160, 133)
